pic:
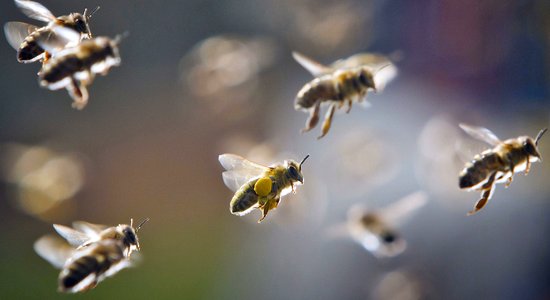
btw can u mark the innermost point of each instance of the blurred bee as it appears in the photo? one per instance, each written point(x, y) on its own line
point(375, 230)
point(94, 253)
point(24, 37)
point(257, 186)
point(498, 164)
point(75, 68)
point(341, 83)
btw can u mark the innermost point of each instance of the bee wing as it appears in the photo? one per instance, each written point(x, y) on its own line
point(74, 237)
point(89, 229)
point(398, 212)
point(59, 39)
point(480, 133)
point(239, 170)
point(53, 249)
point(35, 10)
point(16, 32)
point(383, 75)
point(314, 67)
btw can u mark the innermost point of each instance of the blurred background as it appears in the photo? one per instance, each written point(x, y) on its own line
point(200, 78)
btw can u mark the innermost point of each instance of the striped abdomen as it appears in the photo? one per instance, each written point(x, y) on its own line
point(94, 261)
point(30, 49)
point(479, 170)
point(244, 199)
point(332, 87)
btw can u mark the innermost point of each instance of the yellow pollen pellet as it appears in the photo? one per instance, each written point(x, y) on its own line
point(263, 186)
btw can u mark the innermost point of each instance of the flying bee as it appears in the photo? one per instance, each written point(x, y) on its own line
point(375, 230)
point(75, 68)
point(258, 186)
point(93, 253)
point(498, 164)
point(24, 37)
point(342, 83)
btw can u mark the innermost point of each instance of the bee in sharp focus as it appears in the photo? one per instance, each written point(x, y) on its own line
point(342, 83)
point(375, 230)
point(23, 37)
point(93, 253)
point(498, 164)
point(75, 68)
point(258, 186)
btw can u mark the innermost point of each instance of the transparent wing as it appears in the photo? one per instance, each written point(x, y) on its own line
point(315, 68)
point(235, 179)
point(234, 162)
point(74, 237)
point(35, 10)
point(397, 213)
point(383, 75)
point(89, 229)
point(362, 59)
point(59, 39)
point(480, 133)
point(16, 32)
point(239, 170)
point(53, 249)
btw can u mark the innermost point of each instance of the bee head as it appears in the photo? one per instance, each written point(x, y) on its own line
point(366, 78)
point(530, 145)
point(129, 234)
point(78, 22)
point(295, 170)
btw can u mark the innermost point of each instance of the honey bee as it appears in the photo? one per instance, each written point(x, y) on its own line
point(75, 68)
point(24, 37)
point(498, 164)
point(258, 186)
point(375, 230)
point(93, 253)
point(342, 83)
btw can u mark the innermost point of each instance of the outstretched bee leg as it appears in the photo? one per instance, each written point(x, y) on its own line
point(79, 93)
point(511, 178)
point(269, 205)
point(350, 102)
point(527, 166)
point(313, 117)
point(328, 120)
point(487, 188)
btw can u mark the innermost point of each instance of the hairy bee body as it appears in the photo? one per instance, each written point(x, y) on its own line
point(377, 227)
point(246, 197)
point(340, 86)
point(93, 56)
point(510, 156)
point(93, 262)
point(498, 164)
point(30, 49)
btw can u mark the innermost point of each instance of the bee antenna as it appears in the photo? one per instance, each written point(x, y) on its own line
point(142, 223)
point(132, 222)
point(307, 156)
point(541, 133)
point(92, 13)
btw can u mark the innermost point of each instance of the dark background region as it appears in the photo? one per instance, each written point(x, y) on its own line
point(200, 78)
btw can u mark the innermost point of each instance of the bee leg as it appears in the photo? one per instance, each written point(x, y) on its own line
point(313, 117)
point(527, 166)
point(79, 93)
point(350, 102)
point(328, 120)
point(269, 205)
point(487, 189)
point(511, 178)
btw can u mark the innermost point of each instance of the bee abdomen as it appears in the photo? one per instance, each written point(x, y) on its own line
point(478, 170)
point(316, 90)
point(78, 270)
point(30, 49)
point(244, 199)
point(58, 69)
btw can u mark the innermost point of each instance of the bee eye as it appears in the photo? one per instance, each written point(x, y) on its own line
point(293, 172)
point(363, 78)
